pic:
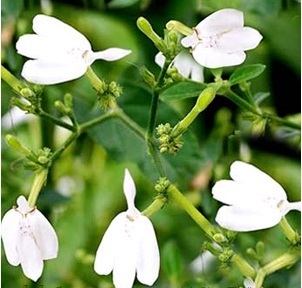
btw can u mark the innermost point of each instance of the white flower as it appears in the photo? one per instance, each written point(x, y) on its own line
point(221, 39)
point(185, 64)
point(60, 52)
point(28, 239)
point(249, 283)
point(255, 200)
point(129, 246)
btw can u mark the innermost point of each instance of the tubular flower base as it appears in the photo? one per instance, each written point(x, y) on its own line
point(28, 239)
point(129, 246)
point(221, 39)
point(255, 200)
point(60, 52)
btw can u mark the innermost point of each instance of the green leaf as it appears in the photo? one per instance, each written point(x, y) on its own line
point(182, 90)
point(246, 73)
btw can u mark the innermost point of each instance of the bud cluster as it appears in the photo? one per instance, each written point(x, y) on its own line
point(107, 96)
point(162, 184)
point(167, 141)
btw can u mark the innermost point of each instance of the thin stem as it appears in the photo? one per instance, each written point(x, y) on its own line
point(55, 120)
point(95, 81)
point(157, 204)
point(282, 121)
point(246, 269)
point(89, 124)
point(11, 80)
point(288, 231)
point(63, 147)
point(39, 181)
point(285, 260)
point(241, 102)
point(154, 153)
point(175, 195)
point(154, 101)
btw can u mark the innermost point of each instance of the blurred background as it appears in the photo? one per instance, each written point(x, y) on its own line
point(84, 188)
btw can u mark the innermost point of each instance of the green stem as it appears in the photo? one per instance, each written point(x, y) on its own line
point(156, 205)
point(155, 156)
point(285, 260)
point(246, 269)
point(11, 80)
point(154, 101)
point(95, 81)
point(63, 147)
point(89, 124)
point(289, 232)
point(175, 195)
point(55, 120)
point(241, 102)
point(282, 121)
point(39, 181)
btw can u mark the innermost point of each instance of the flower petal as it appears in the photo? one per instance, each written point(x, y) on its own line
point(130, 191)
point(160, 59)
point(10, 235)
point(30, 256)
point(110, 54)
point(148, 254)
point(240, 39)
point(44, 234)
point(216, 58)
point(190, 41)
point(244, 219)
point(106, 252)
point(54, 28)
point(219, 22)
point(248, 174)
point(53, 72)
point(23, 205)
point(249, 283)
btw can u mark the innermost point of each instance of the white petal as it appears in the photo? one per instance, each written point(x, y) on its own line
point(248, 174)
point(148, 254)
point(53, 72)
point(160, 59)
point(10, 236)
point(110, 54)
point(249, 283)
point(285, 206)
point(106, 252)
point(240, 39)
point(235, 193)
point(52, 27)
point(216, 58)
point(197, 73)
point(244, 219)
point(45, 236)
point(129, 191)
point(219, 22)
point(30, 256)
point(23, 205)
point(190, 41)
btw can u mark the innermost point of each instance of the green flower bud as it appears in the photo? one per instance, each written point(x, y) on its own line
point(68, 100)
point(27, 93)
point(220, 238)
point(147, 29)
point(42, 159)
point(179, 27)
point(13, 142)
point(205, 98)
point(148, 77)
point(62, 108)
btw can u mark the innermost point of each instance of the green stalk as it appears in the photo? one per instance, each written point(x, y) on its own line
point(175, 195)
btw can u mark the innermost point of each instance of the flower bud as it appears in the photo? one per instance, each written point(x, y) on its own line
point(219, 238)
point(148, 77)
point(13, 142)
point(179, 27)
point(68, 100)
point(205, 98)
point(26, 92)
point(147, 29)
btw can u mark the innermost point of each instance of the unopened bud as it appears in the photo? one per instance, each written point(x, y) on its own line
point(26, 92)
point(13, 142)
point(205, 98)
